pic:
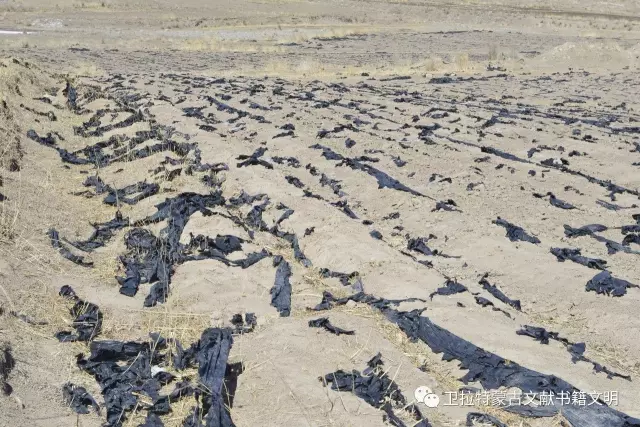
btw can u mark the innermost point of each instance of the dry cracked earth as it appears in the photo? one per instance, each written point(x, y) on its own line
point(264, 251)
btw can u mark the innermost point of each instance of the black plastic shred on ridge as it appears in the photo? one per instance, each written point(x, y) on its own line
point(491, 370)
point(123, 371)
point(576, 350)
point(451, 287)
point(142, 190)
point(281, 290)
point(604, 283)
point(384, 180)
point(64, 251)
point(498, 294)
point(515, 233)
point(323, 322)
point(374, 387)
point(586, 230)
point(554, 201)
point(575, 255)
point(254, 159)
point(87, 318)
point(151, 259)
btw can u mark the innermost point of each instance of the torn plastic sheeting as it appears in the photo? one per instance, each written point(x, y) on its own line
point(87, 318)
point(484, 302)
point(498, 294)
point(613, 206)
point(79, 399)
point(575, 255)
point(353, 279)
point(631, 238)
point(492, 371)
point(473, 418)
point(333, 184)
point(374, 387)
point(343, 205)
point(323, 322)
point(419, 244)
point(451, 287)
point(71, 94)
point(554, 201)
point(604, 283)
point(289, 161)
point(328, 301)
point(516, 233)
point(225, 244)
point(213, 352)
point(64, 251)
point(447, 205)
point(102, 233)
point(384, 180)
point(136, 117)
point(626, 229)
point(48, 140)
point(295, 245)
point(7, 364)
point(576, 350)
point(294, 181)
point(614, 247)
point(246, 325)
point(281, 290)
point(502, 154)
point(586, 230)
point(254, 159)
point(154, 258)
point(376, 234)
point(246, 199)
point(123, 371)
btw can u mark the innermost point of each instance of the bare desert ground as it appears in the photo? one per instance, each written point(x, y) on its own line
point(298, 213)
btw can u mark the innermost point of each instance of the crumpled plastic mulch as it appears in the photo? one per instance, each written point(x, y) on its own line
point(151, 259)
point(125, 375)
point(246, 325)
point(79, 399)
point(323, 322)
point(375, 387)
point(87, 318)
point(576, 350)
point(604, 283)
point(516, 233)
point(281, 290)
point(575, 255)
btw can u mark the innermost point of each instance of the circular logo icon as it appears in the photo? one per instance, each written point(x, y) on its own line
point(432, 400)
point(422, 392)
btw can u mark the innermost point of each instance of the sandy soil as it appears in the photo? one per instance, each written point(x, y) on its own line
point(477, 105)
